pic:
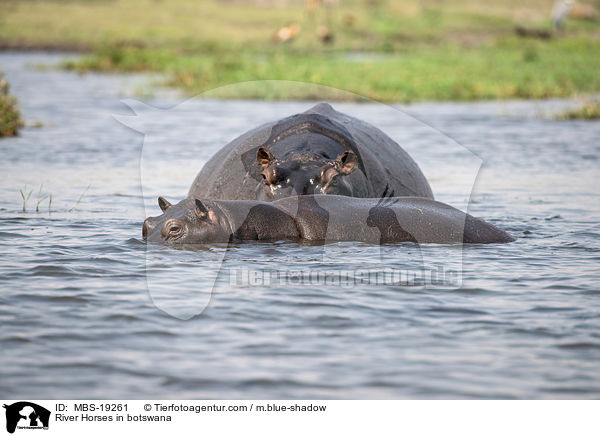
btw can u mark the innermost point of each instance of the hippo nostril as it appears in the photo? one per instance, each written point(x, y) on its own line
point(308, 189)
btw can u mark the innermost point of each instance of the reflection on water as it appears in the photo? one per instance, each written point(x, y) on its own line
point(78, 321)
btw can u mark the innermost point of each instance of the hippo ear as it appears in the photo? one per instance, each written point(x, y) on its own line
point(346, 162)
point(264, 158)
point(163, 203)
point(201, 210)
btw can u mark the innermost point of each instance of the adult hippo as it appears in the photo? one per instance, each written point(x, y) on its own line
point(318, 219)
point(320, 151)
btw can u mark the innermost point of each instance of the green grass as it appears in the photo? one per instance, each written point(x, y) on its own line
point(10, 118)
point(589, 110)
point(25, 194)
point(414, 50)
point(500, 69)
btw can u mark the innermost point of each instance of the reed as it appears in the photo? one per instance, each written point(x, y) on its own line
point(80, 198)
point(25, 195)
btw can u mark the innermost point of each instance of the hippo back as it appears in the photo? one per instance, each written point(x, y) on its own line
point(233, 174)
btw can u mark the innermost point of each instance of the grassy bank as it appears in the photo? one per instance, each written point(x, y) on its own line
point(10, 118)
point(501, 69)
point(382, 49)
point(589, 110)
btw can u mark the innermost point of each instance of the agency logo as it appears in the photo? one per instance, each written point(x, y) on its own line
point(26, 415)
point(247, 166)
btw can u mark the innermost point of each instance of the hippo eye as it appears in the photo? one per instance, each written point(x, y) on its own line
point(273, 175)
point(327, 175)
point(172, 229)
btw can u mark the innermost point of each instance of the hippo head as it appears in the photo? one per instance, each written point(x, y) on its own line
point(190, 221)
point(304, 174)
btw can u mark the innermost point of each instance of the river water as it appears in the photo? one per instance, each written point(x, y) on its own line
point(87, 310)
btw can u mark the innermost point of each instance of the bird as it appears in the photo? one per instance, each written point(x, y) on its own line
point(325, 34)
point(560, 11)
point(287, 33)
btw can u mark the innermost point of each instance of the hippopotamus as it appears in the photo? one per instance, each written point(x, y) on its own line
point(320, 151)
point(317, 219)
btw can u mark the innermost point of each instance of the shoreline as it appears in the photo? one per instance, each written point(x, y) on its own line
point(389, 51)
point(556, 108)
point(50, 47)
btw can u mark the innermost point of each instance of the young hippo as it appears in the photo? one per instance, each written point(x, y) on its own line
point(317, 219)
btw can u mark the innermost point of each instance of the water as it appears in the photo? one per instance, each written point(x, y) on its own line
point(78, 321)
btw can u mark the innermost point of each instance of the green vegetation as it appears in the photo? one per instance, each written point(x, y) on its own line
point(25, 194)
point(389, 50)
point(506, 69)
point(41, 196)
point(79, 200)
point(10, 119)
point(590, 110)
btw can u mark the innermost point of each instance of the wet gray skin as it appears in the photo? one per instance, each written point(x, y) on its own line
point(189, 221)
point(320, 151)
point(317, 219)
point(304, 174)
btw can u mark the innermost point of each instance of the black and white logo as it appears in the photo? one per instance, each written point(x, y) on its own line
point(26, 415)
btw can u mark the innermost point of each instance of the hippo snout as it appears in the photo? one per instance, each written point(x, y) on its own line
point(147, 228)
